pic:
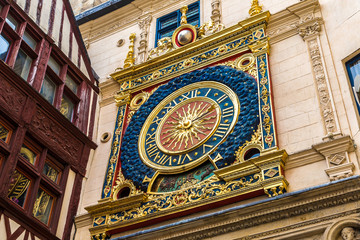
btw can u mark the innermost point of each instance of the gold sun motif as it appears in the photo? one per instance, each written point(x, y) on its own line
point(188, 125)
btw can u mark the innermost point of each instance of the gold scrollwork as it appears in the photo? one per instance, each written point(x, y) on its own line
point(139, 100)
point(164, 45)
point(244, 63)
point(122, 98)
point(203, 190)
point(264, 95)
point(209, 28)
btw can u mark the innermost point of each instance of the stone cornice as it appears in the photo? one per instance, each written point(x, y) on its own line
point(284, 24)
point(261, 212)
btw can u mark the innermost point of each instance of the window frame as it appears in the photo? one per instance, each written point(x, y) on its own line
point(159, 20)
point(38, 180)
point(61, 88)
point(349, 62)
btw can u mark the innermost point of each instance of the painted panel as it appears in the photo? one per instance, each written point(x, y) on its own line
point(66, 202)
point(57, 21)
point(75, 51)
point(45, 15)
point(21, 3)
point(65, 42)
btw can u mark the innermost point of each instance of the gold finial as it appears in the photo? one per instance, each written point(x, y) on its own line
point(183, 10)
point(255, 8)
point(130, 60)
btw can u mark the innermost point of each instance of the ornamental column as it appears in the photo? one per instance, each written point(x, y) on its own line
point(310, 32)
point(144, 24)
point(335, 147)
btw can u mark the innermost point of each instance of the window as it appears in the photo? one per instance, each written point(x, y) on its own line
point(29, 153)
point(19, 186)
point(48, 89)
point(43, 206)
point(166, 25)
point(54, 65)
point(67, 107)
point(353, 68)
point(4, 47)
point(36, 187)
point(13, 23)
point(5, 132)
point(61, 82)
point(22, 64)
point(29, 40)
point(60, 77)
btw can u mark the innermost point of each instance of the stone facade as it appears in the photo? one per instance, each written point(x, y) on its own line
point(316, 118)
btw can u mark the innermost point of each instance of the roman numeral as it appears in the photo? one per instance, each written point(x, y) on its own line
point(150, 138)
point(204, 146)
point(172, 104)
point(152, 150)
point(220, 132)
point(207, 92)
point(182, 159)
point(228, 112)
point(164, 159)
point(222, 98)
point(190, 94)
point(157, 120)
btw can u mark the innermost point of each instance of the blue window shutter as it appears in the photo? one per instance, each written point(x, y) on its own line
point(166, 25)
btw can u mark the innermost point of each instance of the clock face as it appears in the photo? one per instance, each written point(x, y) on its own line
point(187, 126)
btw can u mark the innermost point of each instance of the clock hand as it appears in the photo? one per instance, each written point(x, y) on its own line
point(208, 111)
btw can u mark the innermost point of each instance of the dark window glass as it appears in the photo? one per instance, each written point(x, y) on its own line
point(353, 67)
point(29, 40)
point(4, 133)
point(22, 64)
point(12, 22)
point(27, 153)
point(54, 65)
point(51, 172)
point(42, 206)
point(4, 47)
point(67, 107)
point(71, 84)
point(19, 186)
point(48, 89)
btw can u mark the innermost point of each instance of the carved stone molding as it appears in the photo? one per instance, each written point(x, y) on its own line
point(144, 24)
point(336, 153)
point(345, 229)
point(310, 32)
point(285, 24)
point(216, 11)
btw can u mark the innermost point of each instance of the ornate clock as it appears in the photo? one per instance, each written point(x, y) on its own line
point(190, 127)
point(187, 126)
